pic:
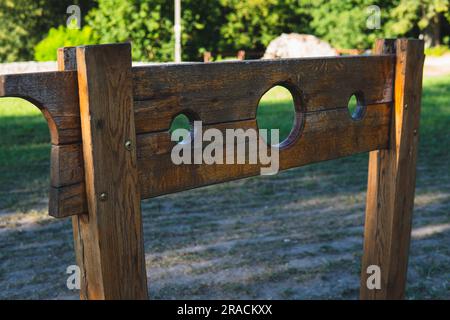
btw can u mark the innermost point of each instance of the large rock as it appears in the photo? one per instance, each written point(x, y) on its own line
point(296, 45)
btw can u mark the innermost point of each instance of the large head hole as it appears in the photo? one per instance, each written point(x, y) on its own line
point(276, 111)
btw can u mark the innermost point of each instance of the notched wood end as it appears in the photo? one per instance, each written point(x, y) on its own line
point(67, 201)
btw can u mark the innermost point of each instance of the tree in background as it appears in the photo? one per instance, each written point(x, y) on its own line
point(343, 23)
point(60, 37)
point(145, 23)
point(252, 24)
point(219, 26)
point(23, 23)
point(427, 15)
point(148, 24)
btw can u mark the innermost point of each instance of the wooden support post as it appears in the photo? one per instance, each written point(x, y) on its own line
point(392, 175)
point(109, 239)
point(67, 61)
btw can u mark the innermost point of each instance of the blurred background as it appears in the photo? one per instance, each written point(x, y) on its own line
point(34, 29)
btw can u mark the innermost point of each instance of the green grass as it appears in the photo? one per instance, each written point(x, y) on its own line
point(437, 51)
point(24, 154)
point(276, 110)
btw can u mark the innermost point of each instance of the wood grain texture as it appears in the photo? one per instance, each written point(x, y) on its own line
point(163, 91)
point(114, 262)
point(67, 196)
point(326, 135)
point(203, 91)
point(230, 91)
point(67, 60)
point(55, 93)
point(391, 181)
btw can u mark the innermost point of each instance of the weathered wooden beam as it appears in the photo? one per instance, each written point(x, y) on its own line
point(391, 181)
point(55, 94)
point(114, 262)
point(162, 91)
point(230, 91)
point(203, 90)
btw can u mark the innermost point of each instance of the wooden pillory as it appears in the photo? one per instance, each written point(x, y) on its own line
point(109, 124)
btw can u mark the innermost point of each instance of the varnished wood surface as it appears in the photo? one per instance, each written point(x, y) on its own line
point(217, 93)
point(114, 264)
point(391, 180)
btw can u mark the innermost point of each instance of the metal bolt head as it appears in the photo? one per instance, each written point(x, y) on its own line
point(406, 106)
point(103, 196)
point(128, 145)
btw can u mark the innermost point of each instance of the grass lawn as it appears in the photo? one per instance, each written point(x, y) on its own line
point(292, 236)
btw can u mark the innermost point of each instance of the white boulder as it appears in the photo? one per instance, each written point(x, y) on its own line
point(296, 45)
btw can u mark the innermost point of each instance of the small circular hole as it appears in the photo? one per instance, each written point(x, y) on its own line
point(356, 106)
point(276, 110)
point(181, 121)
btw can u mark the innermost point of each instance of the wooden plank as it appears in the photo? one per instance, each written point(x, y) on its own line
point(67, 167)
point(55, 94)
point(67, 196)
point(326, 135)
point(61, 156)
point(67, 60)
point(391, 181)
point(67, 201)
point(230, 91)
point(114, 262)
point(161, 92)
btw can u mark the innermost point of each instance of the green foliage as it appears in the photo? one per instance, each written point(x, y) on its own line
point(148, 24)
point(437, 51)
point(410, 13)
point(426, 15)
point(252, 24)
point(208, 25)
point(343, 23)
point(23, 23)
point(145, 23)
point(46, 50)
point(220, 26)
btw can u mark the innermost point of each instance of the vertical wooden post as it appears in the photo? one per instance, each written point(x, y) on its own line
point(67, 61)
point(392, 175)
point(110, 236)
